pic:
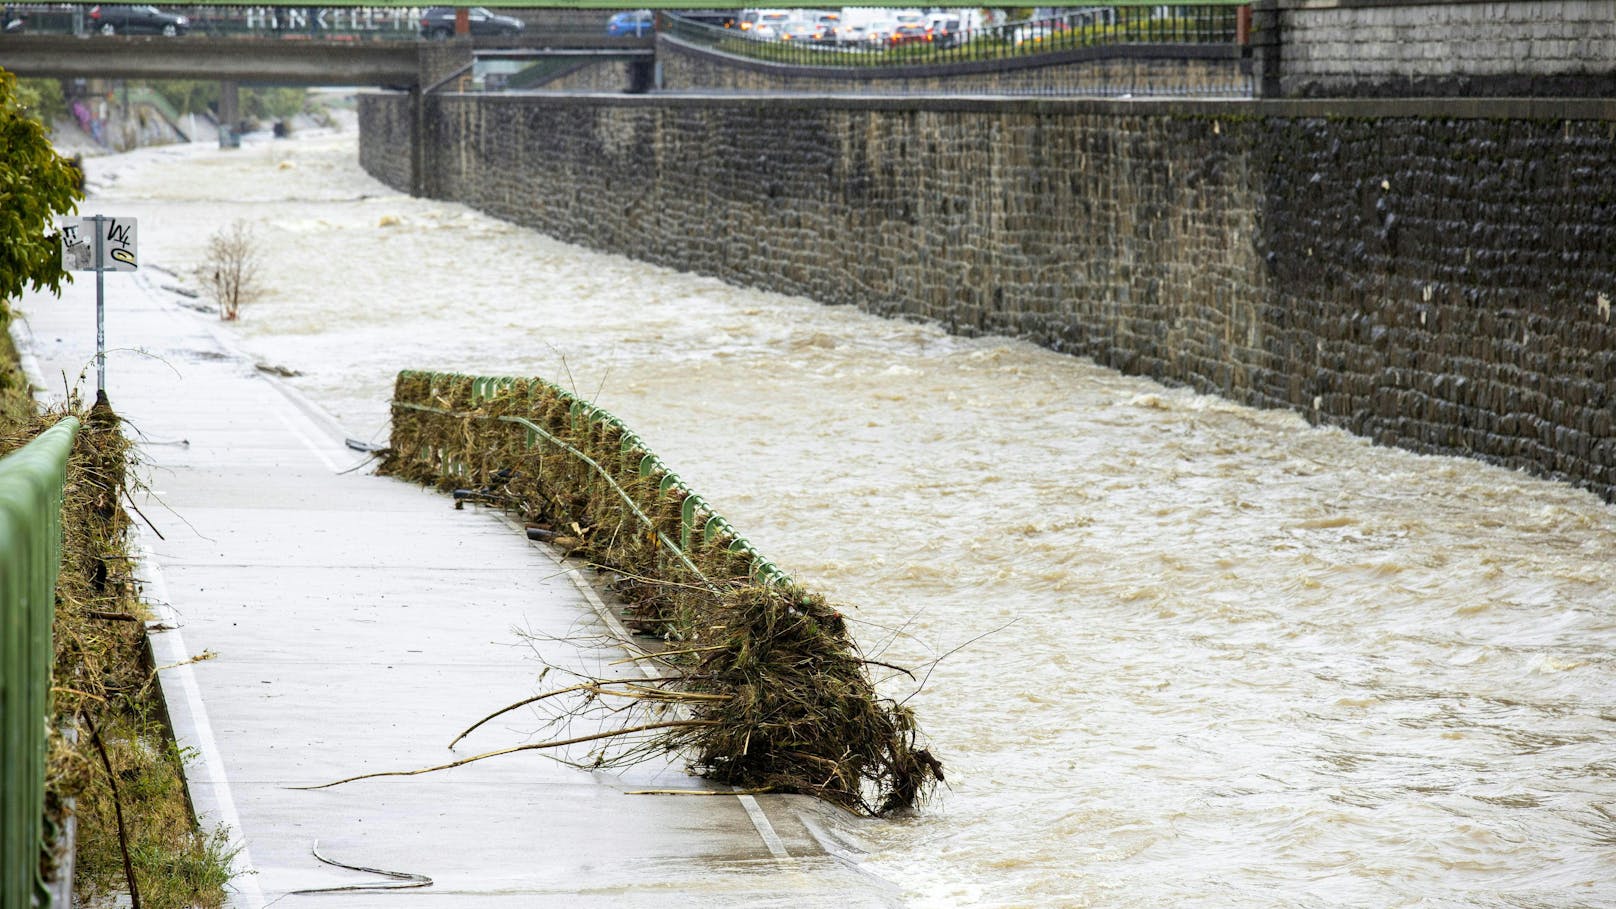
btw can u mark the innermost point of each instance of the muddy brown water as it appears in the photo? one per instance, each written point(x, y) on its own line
point(1216, 657)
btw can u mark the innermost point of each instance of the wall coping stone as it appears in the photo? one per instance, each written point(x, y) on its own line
point(1342, 108)
point(1369, 4)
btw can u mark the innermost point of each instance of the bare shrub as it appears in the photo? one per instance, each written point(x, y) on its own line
point(230, 272)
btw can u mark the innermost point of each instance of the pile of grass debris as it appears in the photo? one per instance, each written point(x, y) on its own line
point(110, 751)
point(765, 688)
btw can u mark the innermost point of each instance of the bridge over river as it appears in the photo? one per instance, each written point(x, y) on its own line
point(1198, 654)
point(280, 61)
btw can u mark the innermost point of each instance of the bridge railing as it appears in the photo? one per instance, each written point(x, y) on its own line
point(31, 481)
point(942, 39)
point(335, 23)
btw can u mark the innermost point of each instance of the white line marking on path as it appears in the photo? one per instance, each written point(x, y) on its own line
point(764, 828)
point(309, 443)
point(168, 647)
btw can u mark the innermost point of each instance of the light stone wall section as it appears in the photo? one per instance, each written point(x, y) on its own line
point(1525, 47)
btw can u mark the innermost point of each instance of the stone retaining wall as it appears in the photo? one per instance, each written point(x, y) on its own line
point(1434, 275)
point(386, 137)
point(1445, 47)
point(614, 76)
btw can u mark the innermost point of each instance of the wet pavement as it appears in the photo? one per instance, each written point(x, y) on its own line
point(319, 622)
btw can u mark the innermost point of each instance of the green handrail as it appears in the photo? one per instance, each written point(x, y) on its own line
point(31, 480)
point(696, 515)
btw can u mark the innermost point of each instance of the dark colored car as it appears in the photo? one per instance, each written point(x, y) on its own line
point(630, 24)
point(136, 20)
point(439, 22)
point(717, 18)
point(945, 33)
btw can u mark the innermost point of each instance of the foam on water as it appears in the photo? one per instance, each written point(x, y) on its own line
point(1212, 656)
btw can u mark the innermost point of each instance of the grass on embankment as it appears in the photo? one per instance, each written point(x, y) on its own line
point(102, 676)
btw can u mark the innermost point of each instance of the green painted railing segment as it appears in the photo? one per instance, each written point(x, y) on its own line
point(696, 515)
point(31, 480)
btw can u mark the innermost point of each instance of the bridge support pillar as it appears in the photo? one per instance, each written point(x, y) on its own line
point(229, 115)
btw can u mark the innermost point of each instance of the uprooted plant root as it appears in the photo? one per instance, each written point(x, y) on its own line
point(770, 690)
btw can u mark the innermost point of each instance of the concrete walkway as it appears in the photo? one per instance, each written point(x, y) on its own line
point(352, 623)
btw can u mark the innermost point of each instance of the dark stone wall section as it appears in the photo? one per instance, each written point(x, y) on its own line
point(1453, 279)
point(1440, 283)
point(385, 138)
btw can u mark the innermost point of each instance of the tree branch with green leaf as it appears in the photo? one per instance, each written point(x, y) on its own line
point(37, 185)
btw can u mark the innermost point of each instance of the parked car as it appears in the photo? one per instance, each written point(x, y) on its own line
point(631, 24)
point(137, 20)
point(717, 18)
point(850, 34)
point(797, 31)
point(769, 19)
point(908, 33)
point(945, 31)
point(439, 22)
point(825, 27)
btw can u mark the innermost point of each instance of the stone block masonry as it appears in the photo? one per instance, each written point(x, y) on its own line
point(1434, 275)
point(1444, 47)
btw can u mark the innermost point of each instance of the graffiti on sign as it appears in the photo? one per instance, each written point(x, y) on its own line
point(118, 246)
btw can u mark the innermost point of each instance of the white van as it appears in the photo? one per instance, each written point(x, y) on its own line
point(864, 25)
point(764, 23)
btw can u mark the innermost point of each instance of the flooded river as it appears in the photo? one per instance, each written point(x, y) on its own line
point(1216, 657)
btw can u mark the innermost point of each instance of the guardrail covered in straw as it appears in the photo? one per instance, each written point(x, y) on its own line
point(31, 480)
point(777, 694)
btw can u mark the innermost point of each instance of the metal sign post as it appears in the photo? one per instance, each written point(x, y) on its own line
point(113, 238)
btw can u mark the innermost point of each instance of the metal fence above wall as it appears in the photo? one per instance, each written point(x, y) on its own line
point(907, 38)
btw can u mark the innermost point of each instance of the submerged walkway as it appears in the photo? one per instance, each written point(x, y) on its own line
point(341, 623)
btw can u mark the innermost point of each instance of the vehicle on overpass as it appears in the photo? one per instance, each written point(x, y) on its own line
point(717, 18)
point(439, 22)
point(136, 20)
point(630, 24)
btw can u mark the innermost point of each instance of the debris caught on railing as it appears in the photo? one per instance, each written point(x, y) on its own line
point(760, 684)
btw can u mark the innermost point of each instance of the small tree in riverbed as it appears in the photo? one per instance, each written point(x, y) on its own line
point(231, 270)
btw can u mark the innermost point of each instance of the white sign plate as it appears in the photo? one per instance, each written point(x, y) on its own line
point(118, 248)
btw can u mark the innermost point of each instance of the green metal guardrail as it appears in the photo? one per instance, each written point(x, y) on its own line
point(31, 480)
point(697, 519)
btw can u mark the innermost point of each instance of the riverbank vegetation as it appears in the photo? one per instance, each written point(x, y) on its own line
point(111, 763)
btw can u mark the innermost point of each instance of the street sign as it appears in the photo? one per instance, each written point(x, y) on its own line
point(117, 247)
point(99, 244)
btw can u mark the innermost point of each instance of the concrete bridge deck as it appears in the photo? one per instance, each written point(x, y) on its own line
point(399, 63)
point(344, 623)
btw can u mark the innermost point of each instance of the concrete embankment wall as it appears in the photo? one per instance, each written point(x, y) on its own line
point(1434, 275)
